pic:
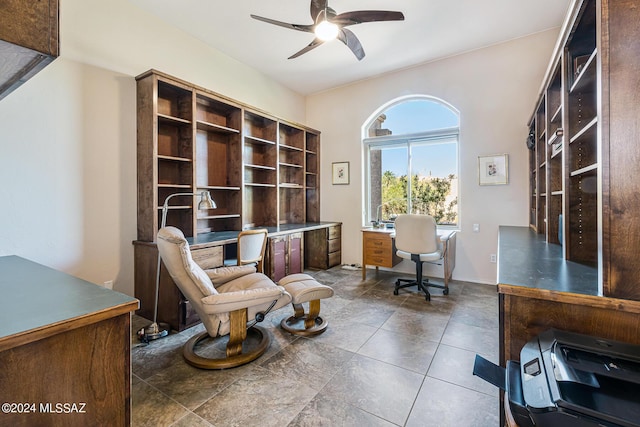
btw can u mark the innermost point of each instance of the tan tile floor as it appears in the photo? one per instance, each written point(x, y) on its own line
point(384, 361)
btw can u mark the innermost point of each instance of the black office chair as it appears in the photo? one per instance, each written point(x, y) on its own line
point(417, 240)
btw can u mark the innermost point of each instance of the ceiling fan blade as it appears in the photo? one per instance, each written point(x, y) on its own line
point(298, 27)
point(347, 37)
point(316, 7)
point(360, 16)
point(315, 43)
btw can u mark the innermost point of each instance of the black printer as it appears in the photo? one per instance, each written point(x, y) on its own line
point(565, 379)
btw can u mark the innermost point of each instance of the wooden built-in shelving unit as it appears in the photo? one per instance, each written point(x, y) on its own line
point(584, 177)
point(260, 170)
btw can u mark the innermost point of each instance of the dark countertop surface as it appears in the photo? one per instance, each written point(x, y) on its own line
point(526, 259)
point(224, 237)
point(35, 296)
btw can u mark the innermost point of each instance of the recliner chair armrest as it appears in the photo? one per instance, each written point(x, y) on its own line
point(223, 275)
point(230, 301)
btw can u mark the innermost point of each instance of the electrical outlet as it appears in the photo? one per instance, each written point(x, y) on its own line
point(108, 284)
point(493, 258)
point(476, 228)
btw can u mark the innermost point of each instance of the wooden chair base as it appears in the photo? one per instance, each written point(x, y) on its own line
point(318, 326)
point(313, 323)
point(305, 289)
point(235, 355)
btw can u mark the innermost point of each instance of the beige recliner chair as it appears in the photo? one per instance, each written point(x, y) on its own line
point(229, 301)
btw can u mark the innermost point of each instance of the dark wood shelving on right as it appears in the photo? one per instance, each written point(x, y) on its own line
point(583, 276)
point(584, 178)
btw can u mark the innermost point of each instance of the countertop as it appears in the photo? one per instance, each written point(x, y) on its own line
point(527, 260)
point(36, 297)
point(225, 237)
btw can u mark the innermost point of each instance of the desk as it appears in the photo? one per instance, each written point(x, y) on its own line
point(539, 290)
point(379, 249)
point(290, 248)
point(63, 340)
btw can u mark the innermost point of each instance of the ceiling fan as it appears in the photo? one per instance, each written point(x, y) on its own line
point(328, 25)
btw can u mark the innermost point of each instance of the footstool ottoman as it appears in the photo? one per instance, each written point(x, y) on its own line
point(304, 288)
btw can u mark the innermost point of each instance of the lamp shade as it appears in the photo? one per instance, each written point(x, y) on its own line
point(206, 202)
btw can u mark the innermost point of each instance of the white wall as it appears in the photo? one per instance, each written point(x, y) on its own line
point(495, 90)
point(68, 136)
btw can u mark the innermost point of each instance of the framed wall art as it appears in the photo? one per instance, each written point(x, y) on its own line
point(340, 173)
point(493, 170)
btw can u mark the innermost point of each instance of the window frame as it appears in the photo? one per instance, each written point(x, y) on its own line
point(406, 140)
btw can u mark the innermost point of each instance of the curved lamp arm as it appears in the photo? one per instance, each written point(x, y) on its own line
point(154, 331)
point(206, 202)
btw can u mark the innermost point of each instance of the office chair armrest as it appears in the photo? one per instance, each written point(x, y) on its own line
point(230, 301)
point(446, 238)
point(223, 275)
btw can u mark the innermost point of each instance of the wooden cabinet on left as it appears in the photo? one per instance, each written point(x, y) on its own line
point(65, 349)
point(29, 40)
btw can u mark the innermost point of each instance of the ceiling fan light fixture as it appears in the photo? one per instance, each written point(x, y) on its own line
point(326, 31)
point(329, 25)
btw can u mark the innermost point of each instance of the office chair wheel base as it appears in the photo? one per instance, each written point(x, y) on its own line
point(395, 292)
point(427, 297)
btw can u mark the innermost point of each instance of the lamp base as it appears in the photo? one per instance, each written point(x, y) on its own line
point(153, 332)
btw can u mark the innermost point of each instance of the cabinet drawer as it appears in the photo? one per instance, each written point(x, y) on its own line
point(334, 245)
point(211, 257)
point(377, 253)
point(382, 257)
point(335, 258)
point(334, 232)
point(384, 244)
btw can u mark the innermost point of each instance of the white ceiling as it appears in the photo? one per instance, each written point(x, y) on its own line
point(432, 29)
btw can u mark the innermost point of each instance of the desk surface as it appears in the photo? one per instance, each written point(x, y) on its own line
point(527, 260)
point(444, 234)
point(217, 238)
point(38, 298)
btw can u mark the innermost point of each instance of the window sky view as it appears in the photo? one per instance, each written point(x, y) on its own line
point(433, 159)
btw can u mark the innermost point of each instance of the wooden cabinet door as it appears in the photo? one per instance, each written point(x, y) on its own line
point(295, 260)
point(277, 258)
point(285, 256)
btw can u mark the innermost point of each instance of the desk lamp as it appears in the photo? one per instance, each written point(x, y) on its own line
point(155, 330)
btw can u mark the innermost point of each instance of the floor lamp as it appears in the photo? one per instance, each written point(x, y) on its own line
point(155, 330)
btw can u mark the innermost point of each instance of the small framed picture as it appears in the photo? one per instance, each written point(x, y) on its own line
point(340, 174)
point(493, 170)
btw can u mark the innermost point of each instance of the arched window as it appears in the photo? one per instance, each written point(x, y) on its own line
point(411, 160)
